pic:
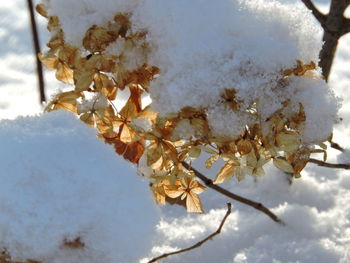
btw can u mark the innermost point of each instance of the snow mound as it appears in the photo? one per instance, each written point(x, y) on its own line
point(60, 182)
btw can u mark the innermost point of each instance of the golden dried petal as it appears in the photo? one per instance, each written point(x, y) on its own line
point(49, 60)
point(193, 203)
point(41, 9)
point(53, 23)
point(252, 161)
point(244, 147)
point(121, 76)
point(65, 100)
point(130, 151)
point(97, 39)
point(299, 165)
point(55, 42)
point(105, 86)
point(226, 172)
point(159, 193)
point(64, 74)
point(82, 79)
point(149, 114)
point(135, 97)
point(129, 111)
point(123, 24)
point(173, 191)
point(88, 118)
point(283, 165)
point(195, 186)
point(258, 172)
point(68, 54)
point(230, 99)
point(127, 134)
point(288, 142)
point(154, 155)
point(212, 159)
point(239, 173)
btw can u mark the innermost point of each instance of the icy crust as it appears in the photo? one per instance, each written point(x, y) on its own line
point(200, 54)
point(60, 182)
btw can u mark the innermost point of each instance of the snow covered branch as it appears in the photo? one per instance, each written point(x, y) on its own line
point(198, 244)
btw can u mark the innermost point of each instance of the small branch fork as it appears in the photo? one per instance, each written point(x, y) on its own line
point(209, 183)
point(335, 25)
point(198, 244)
point(336, 146)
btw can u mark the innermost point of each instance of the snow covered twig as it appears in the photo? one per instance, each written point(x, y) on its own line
point(198, 244)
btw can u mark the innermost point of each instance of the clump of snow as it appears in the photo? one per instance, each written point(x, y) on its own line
point(201, 53)
point(96, 102)
point(77, 16)
point(60, 182)
point(320, 105)
point(225, 122)
point(244, 48)
point(141, 124)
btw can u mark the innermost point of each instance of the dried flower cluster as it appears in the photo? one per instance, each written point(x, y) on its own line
point(113, 58)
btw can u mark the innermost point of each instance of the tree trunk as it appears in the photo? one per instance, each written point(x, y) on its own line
point(327, 53)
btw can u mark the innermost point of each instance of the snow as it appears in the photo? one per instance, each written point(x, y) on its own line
point(49, 158)
point(245, 48)
point(59, 182)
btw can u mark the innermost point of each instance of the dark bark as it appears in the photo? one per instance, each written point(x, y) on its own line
point(327, 53)
point(334, 25)
point(39, 68)
point(330, 165)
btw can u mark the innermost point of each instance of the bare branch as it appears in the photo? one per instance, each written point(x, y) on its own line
point(346, 28)
point(330, 165)
point(39, 68)
point(337, 146)
point(208, 182)
point(198, 244)
point(317, 14)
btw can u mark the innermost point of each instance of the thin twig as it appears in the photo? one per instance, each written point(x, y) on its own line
point(208, 182)
point(337, 147)
point(198, 244)
point(39, 68)
point(330, 165)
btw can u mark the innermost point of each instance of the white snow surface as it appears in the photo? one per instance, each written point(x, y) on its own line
point(60, 182)
point(315, 208)
point(204, 47)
